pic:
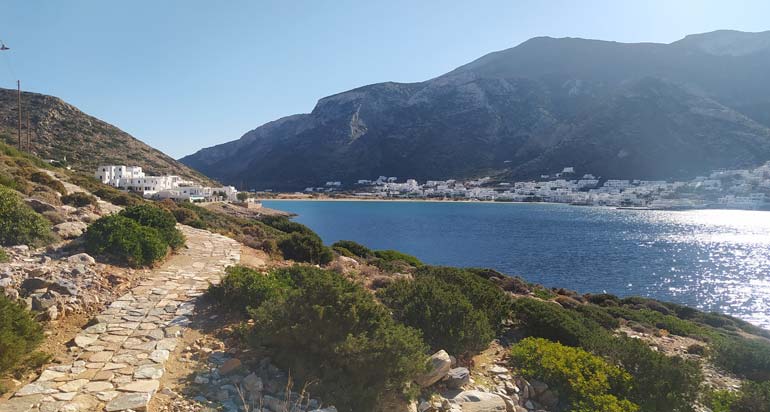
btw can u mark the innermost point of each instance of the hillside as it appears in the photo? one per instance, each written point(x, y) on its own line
point(61, 130)
point(620, 110)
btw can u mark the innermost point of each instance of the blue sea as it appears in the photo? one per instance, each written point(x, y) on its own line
point(715, 260)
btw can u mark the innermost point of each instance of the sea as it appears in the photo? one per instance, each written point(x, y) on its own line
point(714, 260)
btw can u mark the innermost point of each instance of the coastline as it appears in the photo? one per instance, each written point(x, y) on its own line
point(358, 199)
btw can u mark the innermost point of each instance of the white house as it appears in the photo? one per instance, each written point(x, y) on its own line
point(160, 187)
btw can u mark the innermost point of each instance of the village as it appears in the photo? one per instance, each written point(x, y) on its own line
point(722, 189)
point(132, 178)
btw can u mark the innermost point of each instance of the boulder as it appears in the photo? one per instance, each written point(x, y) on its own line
point(477, 401)
point(229, 366)
point(134, 401)
point(458, 377)
point(39, 206)
point(83, 258)
point(253, 383)
point(348, 261)
point(64, 287)
point(33, 284)
point(70, 230)
point(43, 302)
point(440, 363)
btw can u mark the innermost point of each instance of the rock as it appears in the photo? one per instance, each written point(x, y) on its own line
point(49, 375)
point(477, 401)
point(33, 284)
point(6, 283)
point(36, 388)
point(134, 401)
point(440, 363)
point(42, 302)
point(159, 355)
point(64, 287)
point(229, 366)
point(39, 206)
point(539, 387)
point(97, 386)
point(329, 409)
point(253, 383)
point(549, 398)
point(498, 370)
point(348, 261)
point(147, 386)
point(458, 377)
point(148, 372)
point(70, 230)
point(83, 258)
point(84, 340)
point(52, 313)
point(73, 386)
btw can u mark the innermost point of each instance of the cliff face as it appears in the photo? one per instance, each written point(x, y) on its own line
point(619, 110)
point(60, 129)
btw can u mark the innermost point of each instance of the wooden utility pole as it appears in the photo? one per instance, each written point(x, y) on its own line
point(29, 135)
point(18, 86)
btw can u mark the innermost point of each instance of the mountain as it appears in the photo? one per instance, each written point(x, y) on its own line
point(642, 110)
point(60, 130)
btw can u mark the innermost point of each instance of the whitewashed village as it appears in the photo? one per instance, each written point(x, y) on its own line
point(724, 189)
point(132, 178)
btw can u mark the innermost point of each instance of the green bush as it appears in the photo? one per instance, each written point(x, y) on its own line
point(589, 383)
point(242, 288)
point(754, 397)
point(660, 382)
point(3, 256)
point(79, 199)
point(356, 249)
point(743, 356)
point(19, 333)
point(481, 292)
point(126, 241)
point(396, 256)
point(598, 315)
point(331, 330)
point(721, 400)
point(19, 224)
point(187, 217)
point(46, 180)
point(157, 218)
point(302, 247)
point(285, 225)
point(441, 311)
point(549, 320)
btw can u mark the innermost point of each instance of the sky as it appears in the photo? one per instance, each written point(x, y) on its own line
point(183, 75)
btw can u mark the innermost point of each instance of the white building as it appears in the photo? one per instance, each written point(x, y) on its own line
point(160, 187)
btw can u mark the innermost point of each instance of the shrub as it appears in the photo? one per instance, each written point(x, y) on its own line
point(3, 256)
point(743, 356)
point(126, 241)
point(481, 292)
point(754, 397)
point(302, 247)
point(327, 328)
point(19, 224)
point(242, 288)
point(287, 226)
point(396, 256)
point(441, 311)
point(19, 333)
point(46, 180)
point(598, 315)
point(115, 196)
point(187, 217)
point(551, 321)
point(720, 401)
point(588, 381)
point(661, 383)
point(161, 220)
point(356, 249)
point(343, 252)
point(79, 199)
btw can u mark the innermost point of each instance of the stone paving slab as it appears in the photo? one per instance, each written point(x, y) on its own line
point(124, 354)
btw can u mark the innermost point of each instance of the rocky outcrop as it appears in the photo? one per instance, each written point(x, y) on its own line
point(440, 363)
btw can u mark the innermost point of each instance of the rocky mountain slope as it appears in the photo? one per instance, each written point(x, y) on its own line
point(620, 110)
point(60, 130)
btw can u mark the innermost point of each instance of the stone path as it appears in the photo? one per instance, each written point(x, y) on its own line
point(123, 353)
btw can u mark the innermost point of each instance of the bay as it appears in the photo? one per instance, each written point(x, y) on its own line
point(715, 260)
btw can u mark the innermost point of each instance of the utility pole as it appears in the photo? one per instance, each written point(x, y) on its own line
point(29, 135)
point(18, 86)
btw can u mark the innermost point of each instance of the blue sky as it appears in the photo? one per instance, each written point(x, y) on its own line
point(182, 75)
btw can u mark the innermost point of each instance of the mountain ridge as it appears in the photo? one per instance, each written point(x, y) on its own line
point(59, 129)
point(511, 112)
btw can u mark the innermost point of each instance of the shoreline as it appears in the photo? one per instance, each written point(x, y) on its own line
point(352, 199)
